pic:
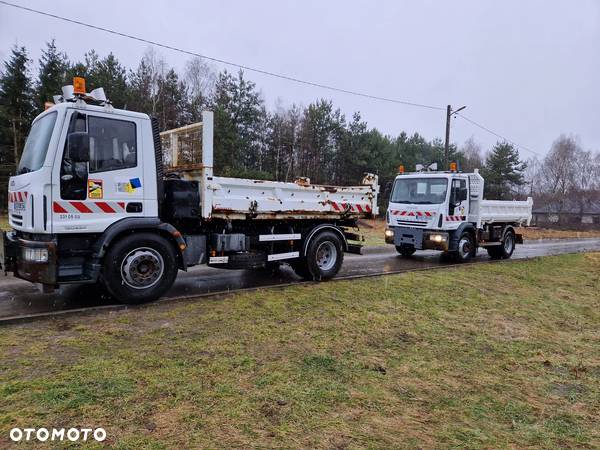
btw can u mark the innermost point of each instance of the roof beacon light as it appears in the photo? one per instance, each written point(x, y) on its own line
point(401, 169)
point(79, 85)
point(98, 95)
point(453, 167)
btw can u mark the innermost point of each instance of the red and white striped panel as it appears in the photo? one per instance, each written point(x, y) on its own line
point(455, 218)
point(18, 196)
point(358, 207)
point(413, 213)
point(73, 207)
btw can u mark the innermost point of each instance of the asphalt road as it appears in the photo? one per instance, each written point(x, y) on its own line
point(18, 297)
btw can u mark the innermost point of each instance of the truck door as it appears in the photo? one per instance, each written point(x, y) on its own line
point(459, 205)
point(93, 195)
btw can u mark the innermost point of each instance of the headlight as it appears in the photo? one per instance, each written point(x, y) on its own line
point(437, 237)
point(389, 233)
point(35, 254)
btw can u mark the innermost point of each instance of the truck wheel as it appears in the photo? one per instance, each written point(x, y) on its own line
point(140, 268)
point(324, 256)
point(466, 248)
point(506, 249)
point(406, 250)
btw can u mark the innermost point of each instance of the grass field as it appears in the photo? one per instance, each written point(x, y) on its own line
point(490, 356)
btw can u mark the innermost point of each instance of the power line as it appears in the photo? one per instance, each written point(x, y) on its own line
point(222, 61)
point(261, 71)
point(471, 121)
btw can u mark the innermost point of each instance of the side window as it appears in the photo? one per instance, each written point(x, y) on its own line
point(73, 175)
point(459, 190)
point(113, 144)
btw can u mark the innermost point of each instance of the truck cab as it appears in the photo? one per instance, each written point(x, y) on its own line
point(445, 211)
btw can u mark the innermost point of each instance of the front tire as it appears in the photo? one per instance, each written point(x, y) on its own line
point(466, 249)
point(324, 257)
point(140, 268)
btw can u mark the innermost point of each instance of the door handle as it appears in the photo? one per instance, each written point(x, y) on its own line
point(134, 207)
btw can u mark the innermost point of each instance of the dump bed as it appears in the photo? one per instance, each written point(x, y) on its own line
point(506, 211)
point(237, 198)
point(188, 154)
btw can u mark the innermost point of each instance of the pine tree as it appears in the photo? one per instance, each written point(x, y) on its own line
point(322, 134)
point(140, 89)
point(503, 171)
point(52, 74)
point(171, 108)
point(240, 126)
point(109, 74)
point(16, 101)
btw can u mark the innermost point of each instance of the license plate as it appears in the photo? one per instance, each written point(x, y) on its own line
point(19, 206)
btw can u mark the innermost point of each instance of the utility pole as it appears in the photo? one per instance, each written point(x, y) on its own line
point(449, 113)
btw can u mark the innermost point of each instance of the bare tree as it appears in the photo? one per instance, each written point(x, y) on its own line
point(559, 170)
point(157, 69)
point(533, 178)
point(200, 77)
point(472, 155)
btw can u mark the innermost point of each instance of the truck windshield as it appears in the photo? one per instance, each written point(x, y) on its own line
point(36, 145)
point(420, 191)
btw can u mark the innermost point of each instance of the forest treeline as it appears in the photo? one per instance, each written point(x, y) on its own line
point(283, 142)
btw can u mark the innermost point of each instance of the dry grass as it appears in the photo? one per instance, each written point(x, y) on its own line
point(493, 356)
point(4, 223)
point(532, 233)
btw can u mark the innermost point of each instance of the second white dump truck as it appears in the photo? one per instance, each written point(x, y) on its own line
point(446, 211)
point(93, 202)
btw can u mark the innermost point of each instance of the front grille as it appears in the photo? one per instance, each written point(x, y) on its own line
point(17, 219)
point(413, 223)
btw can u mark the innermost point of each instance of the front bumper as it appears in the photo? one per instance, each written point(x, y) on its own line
point(418, 238)
point(34, 261)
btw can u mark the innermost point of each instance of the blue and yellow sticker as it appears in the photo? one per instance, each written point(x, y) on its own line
point(129, 186)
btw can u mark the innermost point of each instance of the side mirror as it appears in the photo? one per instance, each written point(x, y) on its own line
point(78, 146)
point(462, 194)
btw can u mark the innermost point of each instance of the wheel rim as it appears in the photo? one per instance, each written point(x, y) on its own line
point(326, 255)
point(508, 243)
point(142, 268)
point(465, 247)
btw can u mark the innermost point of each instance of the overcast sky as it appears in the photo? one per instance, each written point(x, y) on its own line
point(529, 70)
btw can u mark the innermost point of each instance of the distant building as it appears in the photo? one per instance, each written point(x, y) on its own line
point(571, 213)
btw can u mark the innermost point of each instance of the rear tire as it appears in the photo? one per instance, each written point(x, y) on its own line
point(506, 249)
point(406, 250)
point(139, 268)
point(324, 257)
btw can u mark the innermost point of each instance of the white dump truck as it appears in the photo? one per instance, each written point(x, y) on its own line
point(101, 196)
point(446, 211)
